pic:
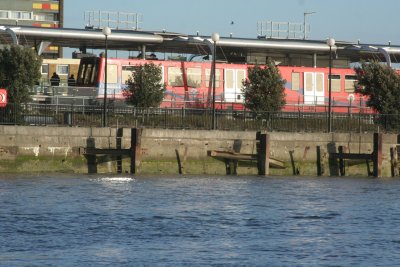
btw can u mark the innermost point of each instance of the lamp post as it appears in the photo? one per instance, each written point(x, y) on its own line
point(304, 23)
point(330, 42)
point(215, 39)
point(106, 32)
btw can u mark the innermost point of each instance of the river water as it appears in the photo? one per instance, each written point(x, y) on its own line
point(62, 220)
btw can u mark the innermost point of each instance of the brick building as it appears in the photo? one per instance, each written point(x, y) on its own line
point(39, 13)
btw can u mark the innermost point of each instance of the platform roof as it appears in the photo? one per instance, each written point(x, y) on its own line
point(129, 40)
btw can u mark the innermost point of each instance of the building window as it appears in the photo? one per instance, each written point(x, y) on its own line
point(3, 14)
point(63, 70)
point(16, 15)
point(45, 69)
point(44, 17)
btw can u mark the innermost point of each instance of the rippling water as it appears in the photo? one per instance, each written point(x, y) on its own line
point(198, 221)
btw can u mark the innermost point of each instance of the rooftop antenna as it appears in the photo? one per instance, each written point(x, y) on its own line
point(304, 23)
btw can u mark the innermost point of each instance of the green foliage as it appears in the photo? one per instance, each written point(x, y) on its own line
point(264, 90)
point(382, 86)
point(19, 72)
point(144, 86)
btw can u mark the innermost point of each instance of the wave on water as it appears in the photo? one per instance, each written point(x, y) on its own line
point(115, 179)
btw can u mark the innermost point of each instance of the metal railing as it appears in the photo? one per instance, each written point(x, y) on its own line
point(185, 118)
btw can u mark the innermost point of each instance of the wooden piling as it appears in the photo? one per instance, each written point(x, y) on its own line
point(136, 150)
point(320, 161)
point(91, 158)
point(119, 146)
point(377, 155)
point(342, 170)
point(263, 154)
point(394, 161)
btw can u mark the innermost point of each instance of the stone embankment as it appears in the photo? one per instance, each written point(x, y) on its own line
point(62, 149)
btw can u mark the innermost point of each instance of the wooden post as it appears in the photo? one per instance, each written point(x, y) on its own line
point(178, 158)
point(294, 169)
point(263, 155)
point(377, 155)
point(120, 132)
point(91, 159)
point(320, 161)
point(341, 162)
point(136, 150)
point(394, 161)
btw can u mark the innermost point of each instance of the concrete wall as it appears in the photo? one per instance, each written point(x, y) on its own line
point(160, 145)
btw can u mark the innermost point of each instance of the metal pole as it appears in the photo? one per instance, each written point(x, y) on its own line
point(105, 86)
point(330, 91)
point(213, 91)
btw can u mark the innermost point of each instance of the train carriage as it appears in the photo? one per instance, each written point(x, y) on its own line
point(189, 84)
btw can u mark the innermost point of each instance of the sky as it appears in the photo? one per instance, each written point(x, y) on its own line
point(370, 21)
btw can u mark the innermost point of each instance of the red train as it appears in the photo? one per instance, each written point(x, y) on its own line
point(189, 85)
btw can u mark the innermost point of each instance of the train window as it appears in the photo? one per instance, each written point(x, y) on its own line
point(241, 76)
point(335, 82)
point(349, 83)
point(217, 77)
point(320, 82)
point(175, 76)
point(127, 71)
point(295, 81)
point(87, 74)
point(229, 79)
point(44, 69)
point(63, 70)
point(194, 77)
point(112, 73)
point(309, 82)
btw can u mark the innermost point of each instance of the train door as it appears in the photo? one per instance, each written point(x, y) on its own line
point(314, 93)
point(233, 85)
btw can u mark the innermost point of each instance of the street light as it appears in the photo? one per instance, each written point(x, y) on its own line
point(304, 23)
point(330, 42)
point(215, 38)
point(106, 31)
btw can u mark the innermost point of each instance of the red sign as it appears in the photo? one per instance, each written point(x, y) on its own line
point(3, 98)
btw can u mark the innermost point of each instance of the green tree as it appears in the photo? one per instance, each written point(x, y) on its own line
point(264, 90)
point(381, 84)
point(144, 86)
point(19, 72)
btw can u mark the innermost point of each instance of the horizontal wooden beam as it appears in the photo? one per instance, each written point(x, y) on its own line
point(107, 151)
point(351, 156)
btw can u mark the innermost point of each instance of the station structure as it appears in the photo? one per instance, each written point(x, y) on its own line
point(287, 51)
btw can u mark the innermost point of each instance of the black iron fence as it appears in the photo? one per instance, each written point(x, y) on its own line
point(91, 116)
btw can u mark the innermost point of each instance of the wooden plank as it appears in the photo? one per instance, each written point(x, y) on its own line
point(351, 156)
point(232, 155)
point(273, 163)
point(107, 151)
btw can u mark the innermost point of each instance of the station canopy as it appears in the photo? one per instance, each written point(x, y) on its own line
point(169, 42)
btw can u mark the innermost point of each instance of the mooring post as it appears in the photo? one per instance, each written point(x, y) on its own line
point(120, 132)
point(91, 159)
point(320, 167)
point(377, 155)
point(136, 150)
point(263, 155)
point(394, 161)
point(341, 161)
